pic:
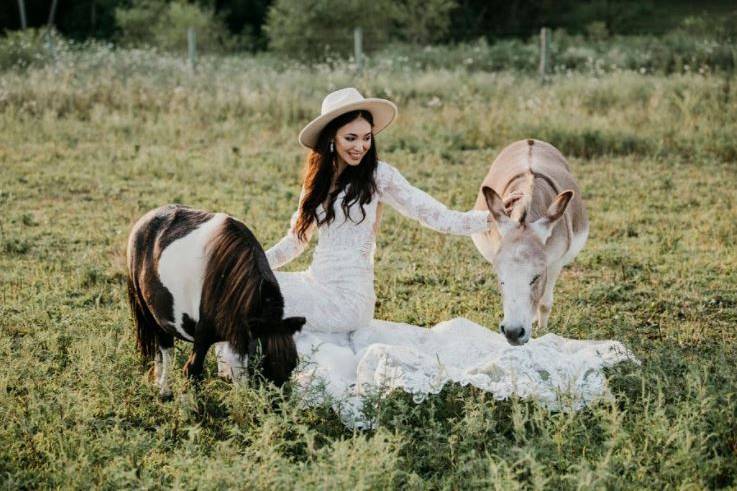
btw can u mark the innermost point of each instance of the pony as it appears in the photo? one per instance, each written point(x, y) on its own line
point(541, 225)
point(203, 277)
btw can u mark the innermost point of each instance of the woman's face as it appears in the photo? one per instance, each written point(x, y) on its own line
point(353, 140)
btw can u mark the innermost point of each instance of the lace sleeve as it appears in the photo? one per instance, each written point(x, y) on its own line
point(289, 247)
point(415, 203)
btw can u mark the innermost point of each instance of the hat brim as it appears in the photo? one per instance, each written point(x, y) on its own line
point(382, 110)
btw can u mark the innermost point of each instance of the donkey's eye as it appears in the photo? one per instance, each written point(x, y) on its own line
point(537, 277)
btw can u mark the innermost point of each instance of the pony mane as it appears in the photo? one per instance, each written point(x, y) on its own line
point(239, 286)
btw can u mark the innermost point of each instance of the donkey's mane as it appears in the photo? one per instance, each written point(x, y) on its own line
point(523, 204)
point(519, 201)
point(237, 282)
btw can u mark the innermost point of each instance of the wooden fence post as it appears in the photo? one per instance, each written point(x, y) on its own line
point(52, 12)
point(22, 9)
point(358, 47)
point(544, 52)
point(192, 48)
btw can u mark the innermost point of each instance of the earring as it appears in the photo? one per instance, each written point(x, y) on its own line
point(332, 147)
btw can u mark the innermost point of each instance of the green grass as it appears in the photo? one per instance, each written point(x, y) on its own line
point(87, 148)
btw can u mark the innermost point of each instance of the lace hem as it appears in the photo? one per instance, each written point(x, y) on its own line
point(561, 374)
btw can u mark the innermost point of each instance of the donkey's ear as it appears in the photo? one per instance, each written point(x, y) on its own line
point(543, 226)
point(559, 205)
point(496, 206)
point(293, 324)
point(494, 203)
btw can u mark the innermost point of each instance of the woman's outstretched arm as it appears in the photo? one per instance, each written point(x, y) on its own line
point(289, 247)
point(415, 203)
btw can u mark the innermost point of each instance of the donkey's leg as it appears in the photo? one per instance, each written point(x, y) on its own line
point(162, 364)
point(546, 302)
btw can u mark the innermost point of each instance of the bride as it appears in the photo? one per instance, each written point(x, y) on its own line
point(346, 354)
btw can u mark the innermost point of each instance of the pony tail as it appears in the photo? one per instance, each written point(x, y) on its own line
point(232, 284)
point(146, 327)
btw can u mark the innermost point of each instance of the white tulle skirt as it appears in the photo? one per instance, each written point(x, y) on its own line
point(345, 368)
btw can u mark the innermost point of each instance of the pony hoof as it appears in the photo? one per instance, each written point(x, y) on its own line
point(225, 373)
point(165, 395)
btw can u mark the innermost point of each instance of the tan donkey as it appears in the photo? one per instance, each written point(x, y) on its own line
point(541, 225)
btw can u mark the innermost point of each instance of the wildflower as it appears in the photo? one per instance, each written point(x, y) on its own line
point(434, 102)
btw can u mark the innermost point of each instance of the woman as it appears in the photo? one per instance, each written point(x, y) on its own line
point(342, 347)
point(344, 189)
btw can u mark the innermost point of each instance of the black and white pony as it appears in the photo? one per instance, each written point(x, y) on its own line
point(204, 278)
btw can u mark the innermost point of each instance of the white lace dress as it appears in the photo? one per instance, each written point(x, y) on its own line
point(346, 354)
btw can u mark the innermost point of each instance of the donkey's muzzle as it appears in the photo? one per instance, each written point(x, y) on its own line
point(515, 334)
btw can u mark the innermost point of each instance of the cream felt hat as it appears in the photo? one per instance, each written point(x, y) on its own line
point(343, 101)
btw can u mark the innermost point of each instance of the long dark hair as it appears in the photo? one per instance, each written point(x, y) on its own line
point(321, 166)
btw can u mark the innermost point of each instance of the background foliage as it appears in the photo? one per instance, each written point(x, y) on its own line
point(324, 29)
point(699, 45)
point(153, 23)
point(317, 28)
point(445, 21)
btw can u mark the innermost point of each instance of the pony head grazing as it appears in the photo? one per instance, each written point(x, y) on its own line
point(242, 299)
point(520, 262)
point(272, 352)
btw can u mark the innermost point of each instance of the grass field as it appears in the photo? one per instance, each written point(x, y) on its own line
point(87, 147)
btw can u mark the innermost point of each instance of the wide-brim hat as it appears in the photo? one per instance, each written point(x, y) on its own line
point(343, 101)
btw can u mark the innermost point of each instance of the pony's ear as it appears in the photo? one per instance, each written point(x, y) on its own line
point(543, 226)
point(496, 206)
point(293, 324)
point(266, 328)
point(258, 327)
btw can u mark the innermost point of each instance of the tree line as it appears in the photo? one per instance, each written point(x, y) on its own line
point(309, 27)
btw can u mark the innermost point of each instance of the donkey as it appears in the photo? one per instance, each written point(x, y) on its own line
point(541, 225)
point(204, 278)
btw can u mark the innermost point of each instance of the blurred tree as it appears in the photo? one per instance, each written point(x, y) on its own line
point(162, 24)
point(424, 21)
point(246, 18)
point(617, 16)
point(320, 28)
point(77, 19)
point(89, 18)
point(407, 20)
point(496, 18)
point(82, 19)
point(315, 29)
point(521, 18)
